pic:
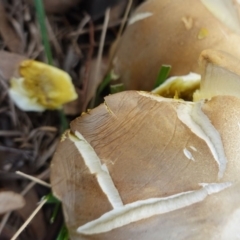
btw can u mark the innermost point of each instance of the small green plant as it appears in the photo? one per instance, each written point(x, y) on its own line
point(162, 75)
point(115, 88)
point(41, 16)
point(63, 233)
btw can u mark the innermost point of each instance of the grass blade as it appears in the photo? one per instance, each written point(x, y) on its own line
point(116, 88)
point(63, 234)
point(162, 75)
point(41, 20)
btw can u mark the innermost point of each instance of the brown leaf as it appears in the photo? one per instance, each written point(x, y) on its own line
point(10, 201)
point(74, 107)
point(38, 224)
point(9, 63)
point(9, 35)
point(118, 10)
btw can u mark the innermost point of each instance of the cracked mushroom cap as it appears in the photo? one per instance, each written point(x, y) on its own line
point(141, 166)
point(174, 32)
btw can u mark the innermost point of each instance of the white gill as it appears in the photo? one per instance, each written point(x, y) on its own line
point(226, 11)
point(139, 16)
point(147, 208)
point(94, 165)
point(193, 117)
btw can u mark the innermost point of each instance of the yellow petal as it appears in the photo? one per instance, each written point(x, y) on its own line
point(49, 86)
point(20, 97)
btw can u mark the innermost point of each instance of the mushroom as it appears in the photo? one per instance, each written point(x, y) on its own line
point(175, 33)
point(144, 167)
point(220, 75)
point(140, 166)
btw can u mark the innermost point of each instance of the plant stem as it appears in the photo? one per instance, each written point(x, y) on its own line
point(41, 20)
point(41, 16)
point(63, 234)
point(162, 75)
point(64, 121)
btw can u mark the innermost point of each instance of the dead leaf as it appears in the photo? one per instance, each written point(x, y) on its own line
point(74, 107)
point(93, 82)
point(10, 201)
point(37, 224)
point(9, 35)
point(9, 63)
point(118, 10)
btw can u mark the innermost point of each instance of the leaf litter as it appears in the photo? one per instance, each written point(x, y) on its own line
point(28, 139)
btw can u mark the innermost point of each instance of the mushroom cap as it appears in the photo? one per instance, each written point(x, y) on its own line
point(169, 32)
point(220, 75)
point(139, 154)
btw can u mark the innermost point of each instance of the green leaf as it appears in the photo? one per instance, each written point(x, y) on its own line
point(63, 234)
point(162, 75)
point(55, 212)
point(51, 199)
point(64, 121)
point(100, 89)
point(104, 84)
point(41, 16)
point(116, 88)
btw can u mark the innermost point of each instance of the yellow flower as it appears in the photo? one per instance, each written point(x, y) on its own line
point(41, 87)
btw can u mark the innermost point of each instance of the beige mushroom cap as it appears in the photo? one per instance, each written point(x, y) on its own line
point(177, 160)
point(169, 32)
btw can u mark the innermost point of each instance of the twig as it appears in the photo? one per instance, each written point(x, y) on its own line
point(82, 24)
point(34, 179)
point(96, 28)
point(100, 50)
point(29, 219)
point(125, 18)
point(87, 66)
point(23, 193)
point(6, 133)
point(31, 184)
point(123, 23)
point(4, 220)
point(53, 39)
